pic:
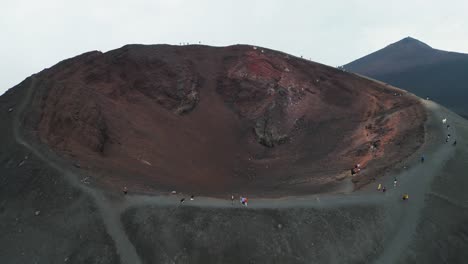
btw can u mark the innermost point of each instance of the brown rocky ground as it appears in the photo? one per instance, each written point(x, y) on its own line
point(213, 121)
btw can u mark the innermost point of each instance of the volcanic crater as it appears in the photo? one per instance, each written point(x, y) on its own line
point(220, 120)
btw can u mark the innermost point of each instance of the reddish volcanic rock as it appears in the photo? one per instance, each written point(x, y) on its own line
point(215, 120)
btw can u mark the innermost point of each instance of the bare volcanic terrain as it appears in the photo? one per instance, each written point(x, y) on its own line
point(212, 121)
point(221, 121)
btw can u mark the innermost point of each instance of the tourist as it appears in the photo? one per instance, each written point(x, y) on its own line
point(244, 201)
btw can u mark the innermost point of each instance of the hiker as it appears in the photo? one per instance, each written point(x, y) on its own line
point(376, 144)
point(422, 159)
point(379, 187)
point(405, 197)
point(232, 199)
point(395, 182)
point(245, 201)
point(192, 197)
point(357, 168)
point(448, 126)
point(454, 143)
point(125, 190)
point(384, 189)
point(182, 200)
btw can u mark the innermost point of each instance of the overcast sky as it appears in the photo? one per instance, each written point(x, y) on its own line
point(36, 34)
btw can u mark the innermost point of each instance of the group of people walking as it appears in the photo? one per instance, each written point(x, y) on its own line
point(357, 168)
point(444, 121)
point(382, 188)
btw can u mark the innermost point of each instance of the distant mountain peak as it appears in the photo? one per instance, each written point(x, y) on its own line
point(405, 53)
point(413, 65)
point(410, 42)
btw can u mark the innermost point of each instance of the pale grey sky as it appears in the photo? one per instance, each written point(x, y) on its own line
point(36, 34)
